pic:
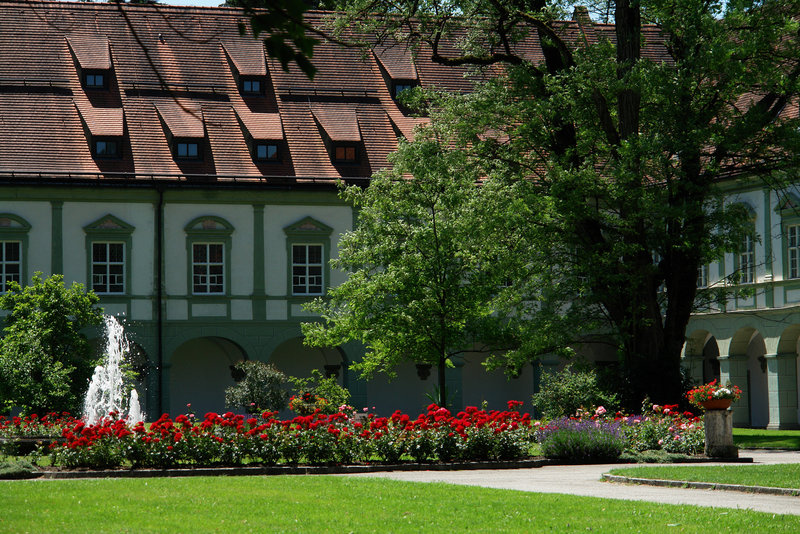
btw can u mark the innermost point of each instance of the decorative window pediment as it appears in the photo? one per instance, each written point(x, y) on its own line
point(209, 224)
point(789, 205)
point(9, 221)
point(108, 223)
point(309, 227)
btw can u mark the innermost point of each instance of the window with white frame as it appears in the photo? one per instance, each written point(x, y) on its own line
point(108, 267)
point(108, 250)
point(307, 269)
point(208, 268)
point(793, 250)
point(10, 263)
point(702, 276)
point(747, 263)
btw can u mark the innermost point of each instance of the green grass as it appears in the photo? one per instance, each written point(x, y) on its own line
point(341, 504)
point(779, 476)
point(753, 438)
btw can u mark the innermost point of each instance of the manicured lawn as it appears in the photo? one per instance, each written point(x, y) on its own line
point(753, 438)
point(341, 504)
point(779, 476)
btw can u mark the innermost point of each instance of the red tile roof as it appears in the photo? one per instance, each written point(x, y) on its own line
point(47, 117)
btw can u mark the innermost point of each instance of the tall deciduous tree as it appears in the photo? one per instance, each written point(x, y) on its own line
point(45, 361)
point(622, 136)
point(422, 280)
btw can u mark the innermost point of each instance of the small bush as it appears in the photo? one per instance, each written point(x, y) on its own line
point(262, 387)
point(582, 441)
point(318, 393)
point(15, 470)
point(563, 393)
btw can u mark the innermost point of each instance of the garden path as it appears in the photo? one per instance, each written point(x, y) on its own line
point(586, 480)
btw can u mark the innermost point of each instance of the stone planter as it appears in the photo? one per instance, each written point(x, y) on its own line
point(716, 404)
point(719, 433)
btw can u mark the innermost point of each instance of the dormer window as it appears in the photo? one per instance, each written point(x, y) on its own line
point(400, 86)
point(344, 153)
point(94, 79)
point(266, 152)
point(106, 148)
point(187, 149)
point(251, 86)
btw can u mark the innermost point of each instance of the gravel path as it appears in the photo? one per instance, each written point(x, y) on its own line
point(586, 480)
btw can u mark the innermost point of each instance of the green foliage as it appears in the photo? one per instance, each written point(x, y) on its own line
point(262, 387)
point(583, 443)
point(564, 392)
point(614, 149)
point(422, 285)
point(328, 388)
point(286, 36)
point(45, 360)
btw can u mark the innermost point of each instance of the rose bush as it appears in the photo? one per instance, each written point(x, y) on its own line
point(317, 439)
point(342, 437)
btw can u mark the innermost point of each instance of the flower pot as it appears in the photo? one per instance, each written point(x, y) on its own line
point(716, 404)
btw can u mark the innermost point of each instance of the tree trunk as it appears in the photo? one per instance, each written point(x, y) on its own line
point(442, 387)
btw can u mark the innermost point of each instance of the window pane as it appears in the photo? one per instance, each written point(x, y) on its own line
point(115, 252)
point(192, 149)
point(12, 251)
point(261, 151)
point(199, 253)
point(314, 254)
point(215, 253)
point(298, 254)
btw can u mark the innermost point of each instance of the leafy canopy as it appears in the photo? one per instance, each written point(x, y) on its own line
point(422, 282)
point(45, 360)
point(631, 139)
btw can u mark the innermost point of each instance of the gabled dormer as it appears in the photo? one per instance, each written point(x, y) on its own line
point(104, 129)
point(397, 67)
point(185, 131)
point(249, 69)
point(264, 135)
point(92, 57)
point(341, 133)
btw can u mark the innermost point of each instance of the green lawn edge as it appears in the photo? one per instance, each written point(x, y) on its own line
point(775, 476)
point(341, 504)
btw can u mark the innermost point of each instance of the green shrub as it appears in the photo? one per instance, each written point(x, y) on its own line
point(333, 396)
point(18, 469)
point(581, 441)
point(262, 387)
point(564, 392)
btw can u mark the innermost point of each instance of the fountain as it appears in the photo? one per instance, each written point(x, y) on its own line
point(107, 387)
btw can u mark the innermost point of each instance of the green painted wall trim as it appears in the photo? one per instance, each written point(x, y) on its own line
point(259, 274)
point(209, 229)
point(57, 233)
point(109, 229)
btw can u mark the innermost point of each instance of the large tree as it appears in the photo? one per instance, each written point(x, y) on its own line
point(422, 281)
point(620, 137)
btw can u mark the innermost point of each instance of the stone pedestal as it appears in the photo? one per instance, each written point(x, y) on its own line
point(719, 434)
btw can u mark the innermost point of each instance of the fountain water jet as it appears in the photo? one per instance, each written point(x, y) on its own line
point(107, 388)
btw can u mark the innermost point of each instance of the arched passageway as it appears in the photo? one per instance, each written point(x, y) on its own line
point(199, 373)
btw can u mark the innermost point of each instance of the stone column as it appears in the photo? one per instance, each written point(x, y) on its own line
point(733, 369)
point(719, 434)
point(782, 387)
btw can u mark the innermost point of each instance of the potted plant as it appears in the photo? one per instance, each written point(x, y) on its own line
point(713, 396)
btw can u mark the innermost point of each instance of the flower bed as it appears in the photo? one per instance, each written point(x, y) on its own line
point(315, 439)
point(599, 436)
point(342, 438)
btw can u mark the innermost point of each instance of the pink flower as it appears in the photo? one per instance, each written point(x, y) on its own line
point(600, 410)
